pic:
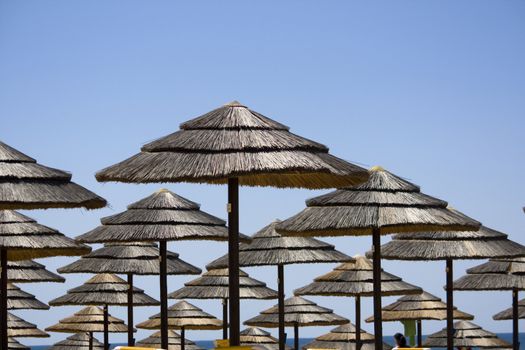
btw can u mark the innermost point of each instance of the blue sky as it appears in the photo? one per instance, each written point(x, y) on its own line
point(432, 90)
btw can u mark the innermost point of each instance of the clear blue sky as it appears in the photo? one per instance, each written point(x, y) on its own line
point(432, 90)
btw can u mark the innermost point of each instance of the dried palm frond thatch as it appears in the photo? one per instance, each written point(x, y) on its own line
point(507, 313)
point(89, 319)
point(344, 338)
point(175, 340)
point(18, 328)
point(259, 339)
point(28, 271)
point(467, 335)
point(14, 344)
point(79, 341)
point(17, 299)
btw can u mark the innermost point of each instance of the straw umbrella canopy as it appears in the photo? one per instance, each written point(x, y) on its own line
point(236, 146)
point(507, 313)
point(497, 275)
point(153, 341)
point(104, 289)
point(298, 312)
point(467, 335)
point(355, 279)
point(183, 316)
point(17, 299)
point(29, 271)
point(16, 345)
point(79, 341)
point(383, 205)
point(135, 258)
point(268, 247)
point(259, 339)
point(213, 284)
point(19, 328)
point(344, 338)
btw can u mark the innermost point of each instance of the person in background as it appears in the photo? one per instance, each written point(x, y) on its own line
point(401, 341)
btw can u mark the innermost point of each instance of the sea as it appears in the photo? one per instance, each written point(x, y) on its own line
point(208, 344)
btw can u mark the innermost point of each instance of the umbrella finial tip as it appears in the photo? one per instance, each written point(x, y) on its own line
point(234, 103)
point(163, 190)
point(377, 168)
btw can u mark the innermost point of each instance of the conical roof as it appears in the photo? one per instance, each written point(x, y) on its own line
point(482, 244)
point(25, 184)
point(18, 328)
point(356, 278)
point(174, 342)
point(343, 338)
point(468, 335)
point(25, 239)
point(17, 299)
point(28, 271)
point(14, 344)
point(184, 314)
point(385, 201)
point(161, 216)
point(507, 313)
point(234, 141)
point(138, 258)
point(89, 319)
point(298, 311)
point(424, 306)
point(496, 274)
point(79, 341)
point(259, 339)
point(267, 247)
point(213, 284)
point(104, 289)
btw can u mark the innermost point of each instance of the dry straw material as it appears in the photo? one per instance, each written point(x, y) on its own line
point(14, 344)
point(467, 335)
point(507, 313)
point(496, 274)
point(89, 319)
point(175, 340)
point(18, 328)
point(259, 339)
point(344, 338)
point(28, 271)
point(79, 341)
point(17, 299)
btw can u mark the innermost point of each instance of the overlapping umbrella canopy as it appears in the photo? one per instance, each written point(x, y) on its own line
point(153, 341)
point(259, 339)
point(344, 338)
point(507, 314)
point(467, 335)
point(16, 345)
point(29, 271)
point(19, 328)
point(90, 319)
point(79, 341)
point(17, 299)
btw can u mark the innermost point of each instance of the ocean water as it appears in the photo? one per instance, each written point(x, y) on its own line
point(208, 344)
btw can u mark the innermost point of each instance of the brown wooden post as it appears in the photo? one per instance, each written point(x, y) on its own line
point(280, 303)
point(515, 317)
point(224, 318)
point(419, 334)
point(233, 260)
point(450, 305)
point(296, 335)
point(163, 295)
point(131, 339)
point(3, 299)
point(106, 328)
point(357, 322)
point(182, 338)
point(90, 340)
point(378, 319)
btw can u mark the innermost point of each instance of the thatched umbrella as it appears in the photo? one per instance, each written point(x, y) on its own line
point(424, 306)
point(135, 258)
point(508, 313)
point(162, 216)
point(383, 205)
point(270, 248)
point(467, 335)
point(344, 337)
point(104, 289)
point(175, 341)
point(355, 279)
point(183, 316)
point(450, 246)
point(15, 345)
point(90, 320)
point(235, 145)
point(213, 284)
point(259, 339)
point(29, 271)
point(79, 341)
point(298, 312)
point(17, 299)
point(19, 328)
point(498, 275)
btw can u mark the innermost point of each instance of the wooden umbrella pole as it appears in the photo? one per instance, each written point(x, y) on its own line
point(163, 295)
point(131, 339)
point(3, 299)
point(515, 330)
point(225, 318)
point(90, 340)
point(357, 322)
point(296, 336)
point(378, 319)
point(280, 292)
point(419, 334)
point(106, 328)
point(450, 305)
point(182, 339)
point(233, 260)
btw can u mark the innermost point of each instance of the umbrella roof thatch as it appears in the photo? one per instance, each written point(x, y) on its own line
point(184, 315)
point(297, 311)
point(257, 338)
point(234, 141)
point(79, 341)
point(424, 306)
point(104, 289)
point(17, 299)
point(507, 313)
point(485, 243)
point(174, 342)
point(25, 184)
point(385, 202)
point(468, 335)
point(28, 271)
point(213, 284)
point(343, 338)
point(496, 274)
point(356, 279)
point(25, 239)
point(18, 328)
point(89, 319)
point(138, 258)
point(162, 216)
point(14, 344)
point(267, 247)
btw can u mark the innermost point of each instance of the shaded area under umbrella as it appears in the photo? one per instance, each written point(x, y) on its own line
point(467, 335)
point(259, 339)
point(344, 338)
point(79, 341)
point(153, 341)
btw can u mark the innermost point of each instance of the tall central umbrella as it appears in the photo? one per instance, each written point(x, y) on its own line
point(344, 337)
point(467, 335)
point(236, 146)
point(383, 205)
point(270, 248)
point(213, 284)
point(450, 246)
point(135, 258)
point(355, 279)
